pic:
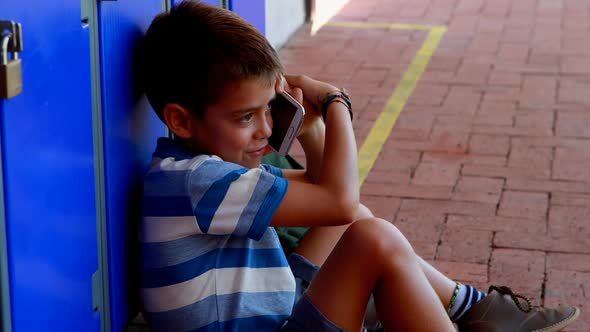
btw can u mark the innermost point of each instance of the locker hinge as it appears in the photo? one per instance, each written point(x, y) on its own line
point(96, 291)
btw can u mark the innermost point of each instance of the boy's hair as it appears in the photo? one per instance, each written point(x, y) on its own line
point(192, 54)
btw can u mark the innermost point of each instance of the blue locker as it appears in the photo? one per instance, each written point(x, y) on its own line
point(130, 130)
point(252, 10)
point(63, 165)
point(48, 173)
point(211, 2)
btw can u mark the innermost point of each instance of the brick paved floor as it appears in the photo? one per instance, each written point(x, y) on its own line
point(487, 170)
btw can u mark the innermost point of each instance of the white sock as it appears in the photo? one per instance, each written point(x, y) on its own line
point(466, 298)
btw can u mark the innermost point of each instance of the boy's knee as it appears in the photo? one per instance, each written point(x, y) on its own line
point(378, 237)
point(363, 212)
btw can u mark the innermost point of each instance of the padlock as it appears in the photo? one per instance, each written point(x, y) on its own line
point(11, 73)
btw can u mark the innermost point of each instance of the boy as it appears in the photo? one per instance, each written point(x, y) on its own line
point(211, 260)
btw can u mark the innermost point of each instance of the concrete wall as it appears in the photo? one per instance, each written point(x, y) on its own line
point(283, 18)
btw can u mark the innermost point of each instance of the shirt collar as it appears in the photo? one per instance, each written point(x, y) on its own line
point(168, 147)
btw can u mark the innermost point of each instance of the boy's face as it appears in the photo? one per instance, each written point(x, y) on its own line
point(238, 126)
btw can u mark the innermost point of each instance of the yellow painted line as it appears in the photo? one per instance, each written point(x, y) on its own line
point(377, 25)
point(381, 130)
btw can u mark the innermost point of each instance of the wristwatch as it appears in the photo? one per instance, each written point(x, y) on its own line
point(339, 96)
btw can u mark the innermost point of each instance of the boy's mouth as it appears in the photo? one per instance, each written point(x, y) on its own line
point(262, 151)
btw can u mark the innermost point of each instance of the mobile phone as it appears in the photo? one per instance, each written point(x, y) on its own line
point(287, 117)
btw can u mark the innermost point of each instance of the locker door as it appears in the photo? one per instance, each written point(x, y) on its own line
point(48, 174)
point(130, 129)
point(211, 2)
point(252, 11)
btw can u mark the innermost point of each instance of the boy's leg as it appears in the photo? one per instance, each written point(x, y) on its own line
point(443, 286)
point(468, 296)
point(318, 242)
point(374, 257)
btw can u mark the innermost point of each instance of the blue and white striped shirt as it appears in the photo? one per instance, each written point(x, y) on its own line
point(209, 259)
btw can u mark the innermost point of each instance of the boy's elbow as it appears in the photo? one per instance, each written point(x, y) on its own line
point(348, 207)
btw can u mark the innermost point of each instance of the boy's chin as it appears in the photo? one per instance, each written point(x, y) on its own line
point(250, 162)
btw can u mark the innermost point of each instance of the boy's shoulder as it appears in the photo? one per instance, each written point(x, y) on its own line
point(171, 156)
point(225, 198)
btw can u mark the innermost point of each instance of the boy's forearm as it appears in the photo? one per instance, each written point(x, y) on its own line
point(312, 143)
point(335, 193)
point(339, 168)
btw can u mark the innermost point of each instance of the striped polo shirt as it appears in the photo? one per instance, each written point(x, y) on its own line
point(209, 259)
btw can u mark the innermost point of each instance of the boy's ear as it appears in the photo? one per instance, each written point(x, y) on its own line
point(178, 119)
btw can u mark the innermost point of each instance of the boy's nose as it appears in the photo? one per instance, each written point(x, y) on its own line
point(265, 127)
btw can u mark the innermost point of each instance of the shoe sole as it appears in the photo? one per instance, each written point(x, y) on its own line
point(561, 325)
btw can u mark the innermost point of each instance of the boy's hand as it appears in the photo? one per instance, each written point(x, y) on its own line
point(314, 91)
point(310, 93)
point(312, 116)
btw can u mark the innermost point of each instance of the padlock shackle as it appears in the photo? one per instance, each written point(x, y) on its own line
point(5, 39)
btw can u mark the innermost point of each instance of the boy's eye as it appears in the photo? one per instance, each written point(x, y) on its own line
point(247, 117)
point(268, 109)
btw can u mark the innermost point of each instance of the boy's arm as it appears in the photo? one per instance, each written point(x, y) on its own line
point(313, 146)
point(311, 136)
point(312, 142)
point(332, 198)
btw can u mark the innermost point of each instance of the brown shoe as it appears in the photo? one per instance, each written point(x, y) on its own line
point(504, 311)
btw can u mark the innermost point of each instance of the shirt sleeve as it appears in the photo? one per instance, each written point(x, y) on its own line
point(230, 199)
point(272, 169)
